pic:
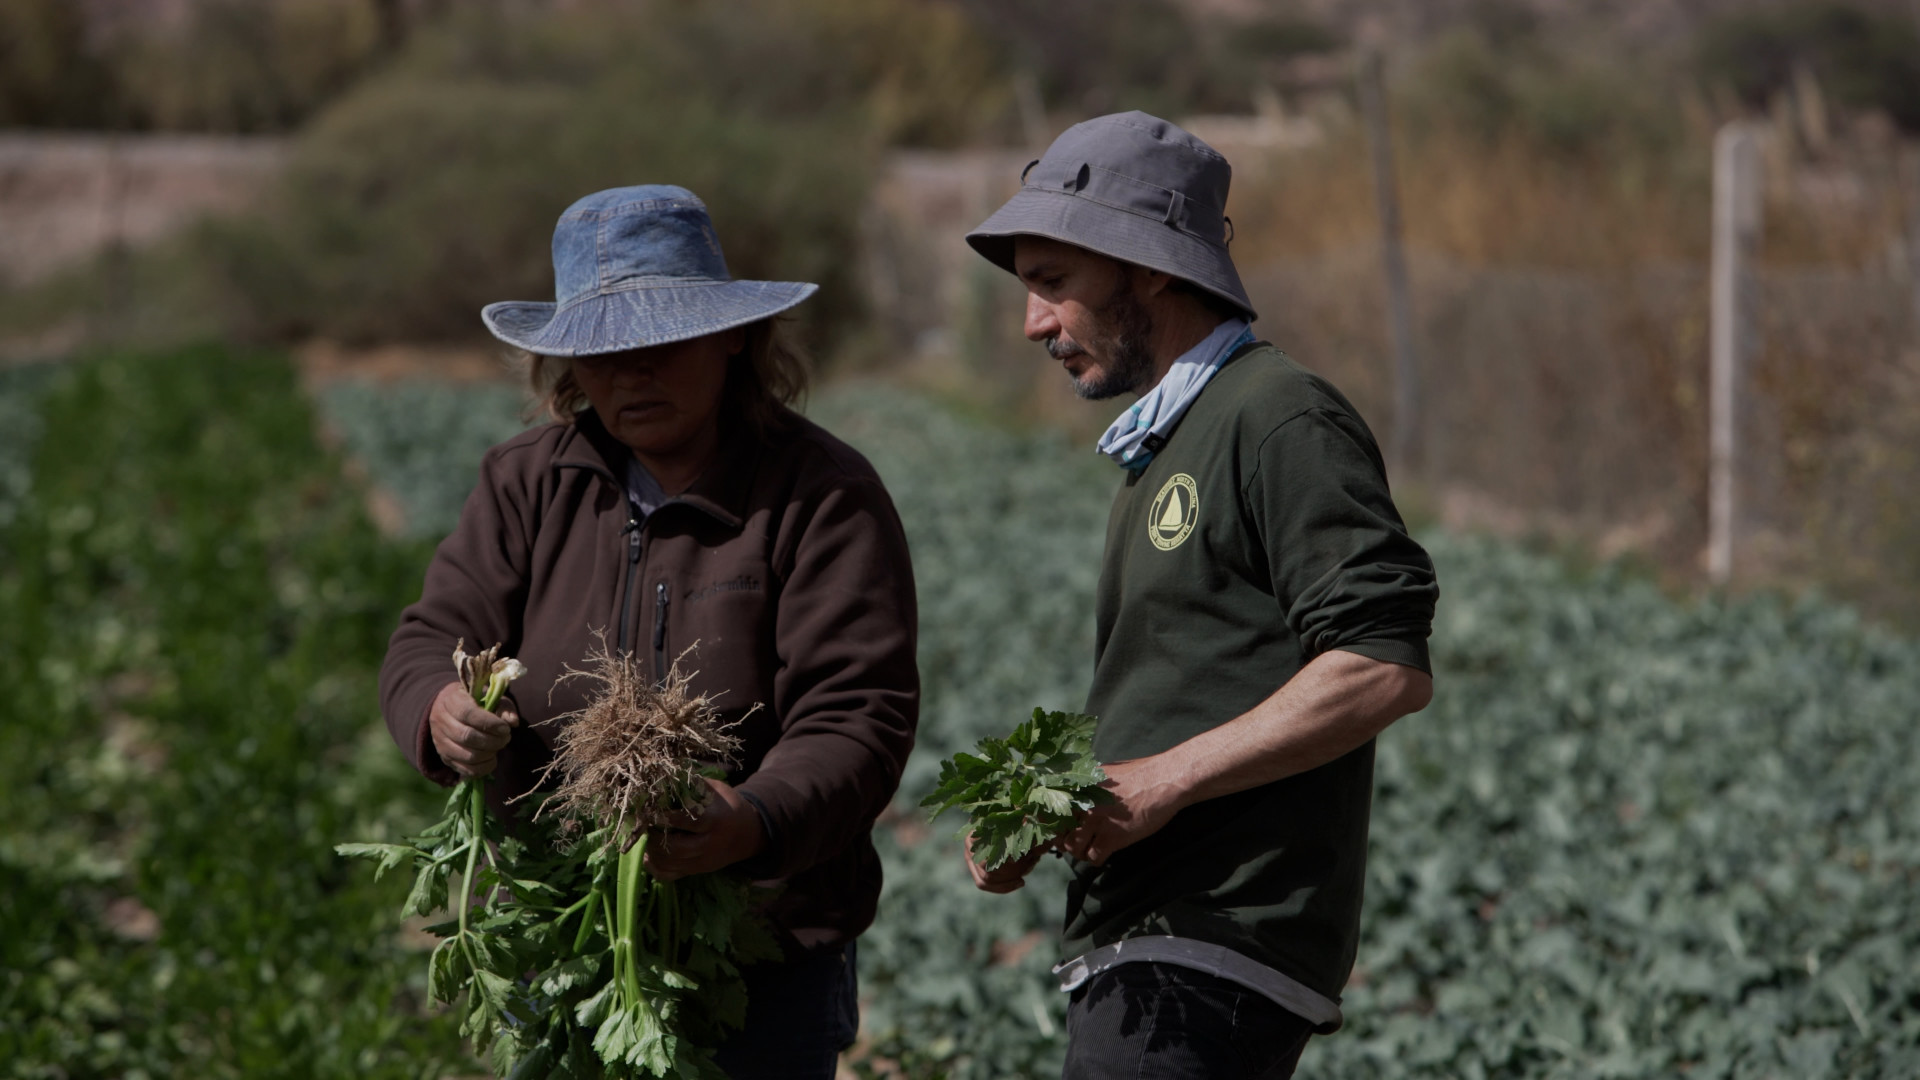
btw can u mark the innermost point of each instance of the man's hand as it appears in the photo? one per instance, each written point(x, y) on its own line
point(1147, 792)
point(467, 736)
point(1009, 876)
point(1332, 706)
point(723, 831)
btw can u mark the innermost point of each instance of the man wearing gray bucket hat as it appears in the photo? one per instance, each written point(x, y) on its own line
point(1262, 616)
point(675, 501)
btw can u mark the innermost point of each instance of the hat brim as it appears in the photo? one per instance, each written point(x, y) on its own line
point(1116, 233)
point(639, 316)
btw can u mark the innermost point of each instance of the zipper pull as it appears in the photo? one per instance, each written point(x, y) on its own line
point(660, 600)
point(633, 541)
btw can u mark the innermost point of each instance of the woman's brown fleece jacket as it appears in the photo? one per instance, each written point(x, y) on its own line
point(785, 565)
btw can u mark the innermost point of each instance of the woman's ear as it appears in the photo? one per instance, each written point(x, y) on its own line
point(736, 340)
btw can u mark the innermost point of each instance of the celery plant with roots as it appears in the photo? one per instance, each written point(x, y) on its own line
point(627, 764)
point(575, 961)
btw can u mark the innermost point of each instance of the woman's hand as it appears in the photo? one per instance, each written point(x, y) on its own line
point(725, 830)
point(467, 736)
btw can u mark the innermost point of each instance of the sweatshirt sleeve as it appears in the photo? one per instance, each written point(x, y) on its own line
point(475, 589)
point(847, 691)
point(1343, 568)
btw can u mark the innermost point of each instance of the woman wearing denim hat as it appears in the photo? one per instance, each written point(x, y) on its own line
point(674, 501)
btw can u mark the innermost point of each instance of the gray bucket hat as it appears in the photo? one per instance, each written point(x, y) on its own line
point(633, 267)
point(1130, 186)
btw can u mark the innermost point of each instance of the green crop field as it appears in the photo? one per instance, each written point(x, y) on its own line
point(1633, 835)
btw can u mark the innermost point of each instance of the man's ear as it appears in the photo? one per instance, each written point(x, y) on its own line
point(1153, 282)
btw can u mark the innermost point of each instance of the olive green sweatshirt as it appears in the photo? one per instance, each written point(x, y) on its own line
point(1260, 536)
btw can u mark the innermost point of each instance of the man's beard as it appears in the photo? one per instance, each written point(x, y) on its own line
point(1125, 325)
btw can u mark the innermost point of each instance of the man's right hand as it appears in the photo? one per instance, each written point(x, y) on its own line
point(467, 736)
point(1008, 877)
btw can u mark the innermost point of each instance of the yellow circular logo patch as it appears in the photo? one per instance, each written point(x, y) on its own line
point(1174, 511)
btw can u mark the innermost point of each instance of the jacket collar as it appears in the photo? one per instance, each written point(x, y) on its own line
point(721, 492)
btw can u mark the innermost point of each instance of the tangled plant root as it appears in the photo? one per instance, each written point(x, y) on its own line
point(636, 754)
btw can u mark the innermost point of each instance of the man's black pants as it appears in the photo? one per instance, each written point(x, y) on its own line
point(1151, 1021)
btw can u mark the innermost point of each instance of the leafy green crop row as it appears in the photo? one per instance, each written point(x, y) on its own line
point(425, 439)
point(192, 606)
point(1632, 837)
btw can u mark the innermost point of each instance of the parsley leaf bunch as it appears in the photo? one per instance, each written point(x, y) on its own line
point(1024, 790)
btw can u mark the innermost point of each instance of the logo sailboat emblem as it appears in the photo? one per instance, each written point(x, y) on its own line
point(1174, 511)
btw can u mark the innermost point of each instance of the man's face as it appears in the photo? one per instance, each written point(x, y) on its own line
point(1085, 308)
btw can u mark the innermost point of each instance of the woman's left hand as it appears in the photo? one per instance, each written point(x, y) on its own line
point(722, 832)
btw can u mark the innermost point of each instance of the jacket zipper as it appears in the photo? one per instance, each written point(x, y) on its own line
point(660, 600)
point(626, 594)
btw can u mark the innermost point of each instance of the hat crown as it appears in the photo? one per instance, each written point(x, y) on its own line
point(1140, 163)
point(629, 237)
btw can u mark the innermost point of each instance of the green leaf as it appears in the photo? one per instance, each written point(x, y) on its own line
point(429, 893)
point(650, 1047)
point(615, 1039)
point(678, 980)
point(593, 1012)
point(447, 970)
point(497, 990)
point(389, 855)
point(1051, 800)
point(537, 1065)
point(568, 974)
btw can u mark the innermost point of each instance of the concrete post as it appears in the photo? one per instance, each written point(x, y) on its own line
point(1404, 447)
point(1736, 229)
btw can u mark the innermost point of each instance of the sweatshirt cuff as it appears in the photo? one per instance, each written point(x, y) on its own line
point(765, 864)
point(775, 803)
point(1411, 654)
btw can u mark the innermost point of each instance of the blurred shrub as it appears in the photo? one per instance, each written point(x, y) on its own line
point(1097, 56)
point(1502, 83)
point(1863, 58)
point(49, 73)
point(432, 189)
point(246, 65)
point(913, 73)
point(212, 65)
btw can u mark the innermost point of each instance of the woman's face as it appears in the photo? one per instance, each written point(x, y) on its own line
point(662, 401)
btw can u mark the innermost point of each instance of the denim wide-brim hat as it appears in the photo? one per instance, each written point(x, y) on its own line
point(633, 267)
point(1132, 187)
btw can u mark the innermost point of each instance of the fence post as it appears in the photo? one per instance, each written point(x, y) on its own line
point(1736, 227)
point(1404, 449)
point(116, 285)
point(1910, 200)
